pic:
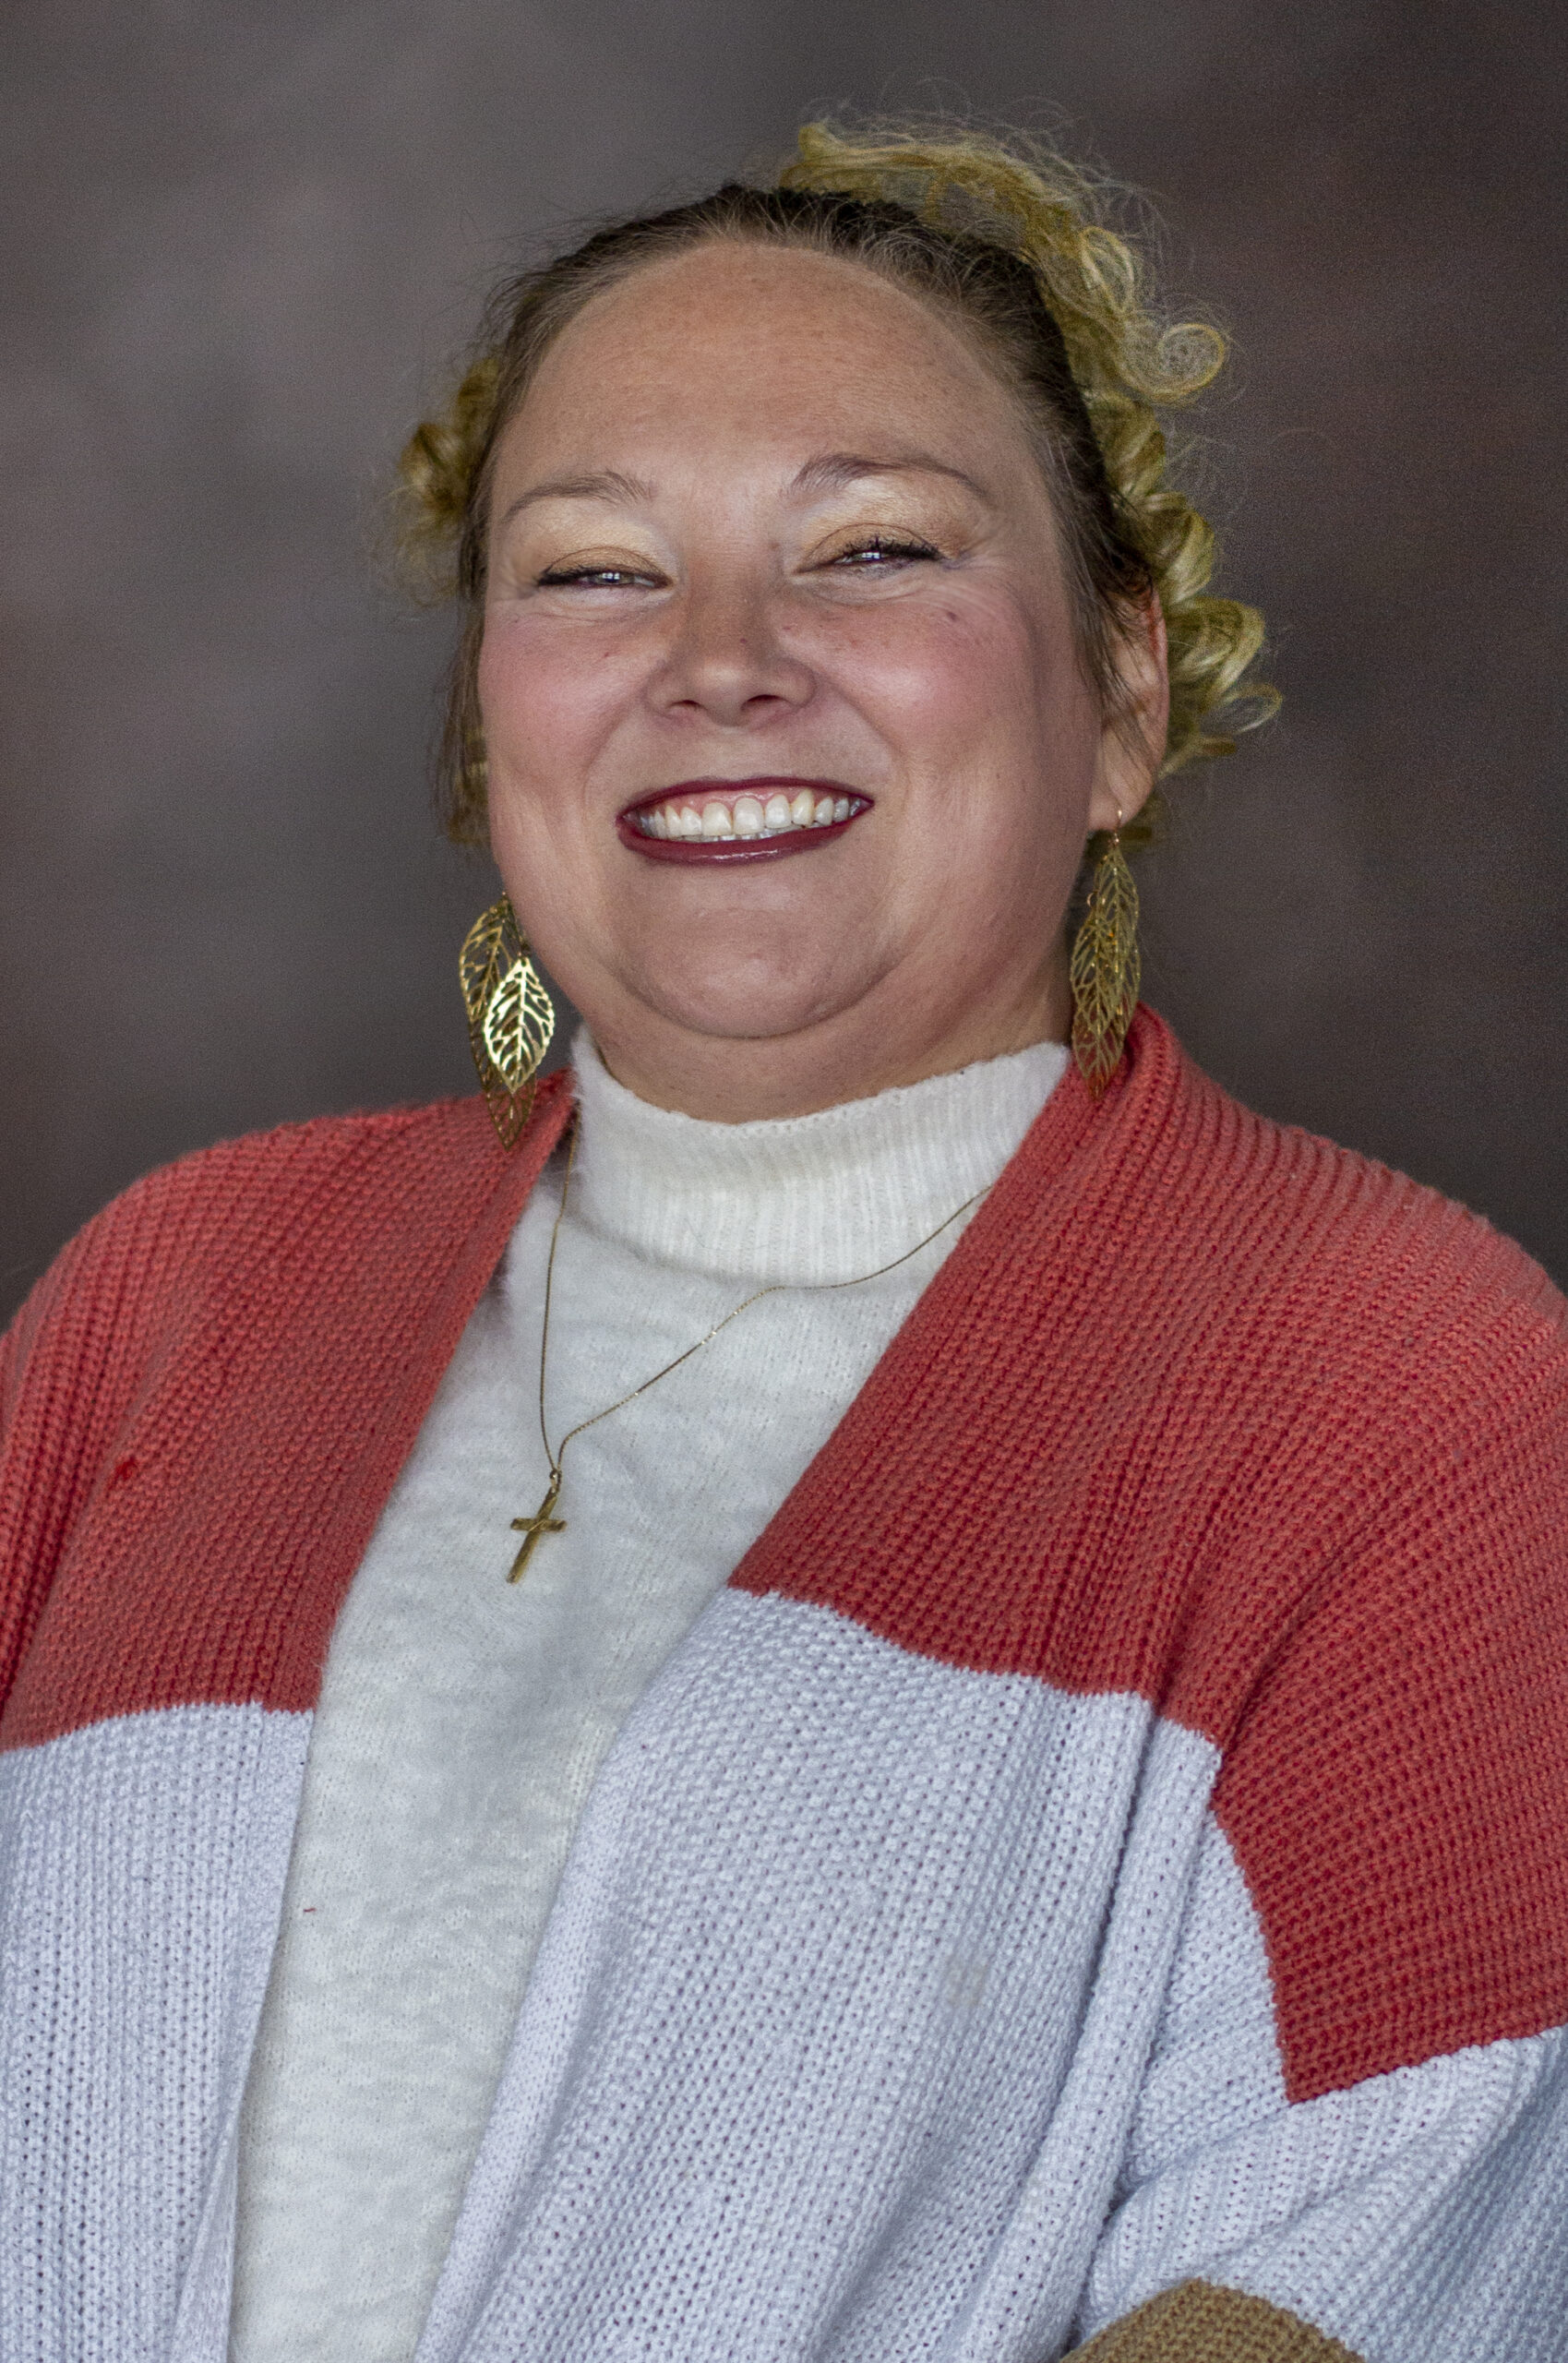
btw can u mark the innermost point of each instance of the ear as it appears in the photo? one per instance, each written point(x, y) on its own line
point(1132, 741)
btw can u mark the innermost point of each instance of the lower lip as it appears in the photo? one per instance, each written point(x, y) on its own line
point(723, 850)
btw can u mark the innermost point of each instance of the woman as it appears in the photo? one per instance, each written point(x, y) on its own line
point(1017, 1797)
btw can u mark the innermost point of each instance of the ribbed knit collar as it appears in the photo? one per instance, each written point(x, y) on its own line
point(806, 1199)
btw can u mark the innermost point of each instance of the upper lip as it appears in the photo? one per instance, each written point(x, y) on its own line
point(761, 783)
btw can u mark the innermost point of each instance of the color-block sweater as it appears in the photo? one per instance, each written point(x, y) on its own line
point(1098, 1871)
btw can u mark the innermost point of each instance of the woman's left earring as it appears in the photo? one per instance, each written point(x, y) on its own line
point(510, 1016)
point(1105, 971)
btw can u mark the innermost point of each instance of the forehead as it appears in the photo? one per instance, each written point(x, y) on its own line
point(778, 343)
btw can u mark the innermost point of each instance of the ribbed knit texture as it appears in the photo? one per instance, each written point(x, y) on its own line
point(461, 1723)
point(1111, 1832)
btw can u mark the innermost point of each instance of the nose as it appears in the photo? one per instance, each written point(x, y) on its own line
point(724, 663)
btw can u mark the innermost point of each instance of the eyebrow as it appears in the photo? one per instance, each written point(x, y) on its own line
point(608, 484)
point(834, 470)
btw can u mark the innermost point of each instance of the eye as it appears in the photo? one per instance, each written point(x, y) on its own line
point(593, 577)
point(874, 552)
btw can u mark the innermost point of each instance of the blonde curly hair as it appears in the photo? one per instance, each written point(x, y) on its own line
point(1012, 239)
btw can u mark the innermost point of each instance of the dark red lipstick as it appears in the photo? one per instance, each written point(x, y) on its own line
point(756, 824)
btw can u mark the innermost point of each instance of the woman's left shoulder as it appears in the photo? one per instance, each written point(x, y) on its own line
point(1351, 1261)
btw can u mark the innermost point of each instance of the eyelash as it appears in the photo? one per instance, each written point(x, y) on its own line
point(614, 576)
point(883, 547)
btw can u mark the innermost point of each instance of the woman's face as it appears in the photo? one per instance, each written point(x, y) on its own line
point(791, 755)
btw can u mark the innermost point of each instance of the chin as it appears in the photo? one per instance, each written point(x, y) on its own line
point(747, 1008)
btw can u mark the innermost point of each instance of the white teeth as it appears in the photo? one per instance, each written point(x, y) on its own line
point(748, 817)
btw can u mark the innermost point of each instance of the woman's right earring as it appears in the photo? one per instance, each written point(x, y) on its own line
point(510, 1016)
point(1104, 969)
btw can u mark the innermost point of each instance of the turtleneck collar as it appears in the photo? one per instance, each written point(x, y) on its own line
point(803, 1199)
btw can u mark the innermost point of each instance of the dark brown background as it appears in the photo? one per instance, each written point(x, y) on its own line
point(247, 237)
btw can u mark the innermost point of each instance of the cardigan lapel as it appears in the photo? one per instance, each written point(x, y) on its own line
point(1006, 1381)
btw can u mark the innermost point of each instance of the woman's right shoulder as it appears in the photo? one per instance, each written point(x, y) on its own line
point(210, 1225)
point(286, 1164)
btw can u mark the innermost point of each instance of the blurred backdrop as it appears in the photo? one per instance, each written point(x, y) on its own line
point(246, 240)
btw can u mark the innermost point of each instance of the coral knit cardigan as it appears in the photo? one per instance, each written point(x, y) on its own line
point(1143, 1732)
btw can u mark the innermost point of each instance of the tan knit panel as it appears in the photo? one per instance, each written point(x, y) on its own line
point(1198, 2323)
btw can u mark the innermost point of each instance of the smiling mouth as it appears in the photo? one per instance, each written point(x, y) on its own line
point(739, 819)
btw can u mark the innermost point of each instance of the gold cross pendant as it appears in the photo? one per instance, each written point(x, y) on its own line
point(531, 1529)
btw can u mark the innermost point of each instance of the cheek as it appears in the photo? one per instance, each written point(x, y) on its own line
point(985, 700)
point(962, 684)
point(546, 705)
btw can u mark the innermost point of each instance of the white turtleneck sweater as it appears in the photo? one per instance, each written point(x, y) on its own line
point(462, 1720)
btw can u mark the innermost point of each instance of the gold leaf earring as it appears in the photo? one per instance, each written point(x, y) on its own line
point(1105, 968)
point(510, 1016)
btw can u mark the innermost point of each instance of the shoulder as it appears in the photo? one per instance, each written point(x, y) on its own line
point(1284, 1251)
point(219, 1208)
point(287, 1166)
point(218, 1229)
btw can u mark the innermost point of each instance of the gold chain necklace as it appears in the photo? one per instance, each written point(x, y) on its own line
point(544, 1520)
